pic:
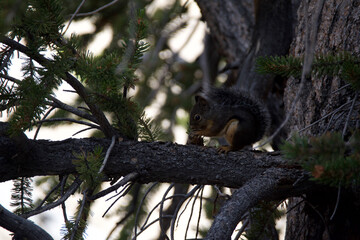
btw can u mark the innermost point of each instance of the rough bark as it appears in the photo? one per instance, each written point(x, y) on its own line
point(231, 24)
point(157, 161)
point(338, 31)
point(259, 175)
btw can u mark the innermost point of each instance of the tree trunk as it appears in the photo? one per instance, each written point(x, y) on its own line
point(337, 31)
point(310, 217)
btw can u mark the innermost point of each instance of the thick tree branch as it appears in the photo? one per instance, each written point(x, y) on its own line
point(21, 227)
point(154, 162)
point(260, 176)
point(262, 187)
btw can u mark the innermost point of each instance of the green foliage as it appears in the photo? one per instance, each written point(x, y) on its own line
point(40, 24)
point(285, 66)
point(148, 130)
point(342, 64)
point(88, 165)
point(75, 228)
point(21, 195)
point(330, 160)
point(109, 77)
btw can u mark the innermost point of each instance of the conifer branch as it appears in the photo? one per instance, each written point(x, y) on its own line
point(79, 88)
point(72, 189)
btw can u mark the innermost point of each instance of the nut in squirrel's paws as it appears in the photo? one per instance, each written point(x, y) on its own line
point(195, 139)
point(224, 149)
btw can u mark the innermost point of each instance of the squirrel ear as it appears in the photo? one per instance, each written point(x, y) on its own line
point(201, 100)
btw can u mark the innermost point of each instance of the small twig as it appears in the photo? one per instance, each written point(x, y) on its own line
point(161, 210)
point(40, 124)
point(63, 206)
point(130, 211)
point(70, 91)
point(348, 117)
point(74, 186)
point(200, 211)
point(141, 203)
point(59, 104)
point(191, 193)
point(158, 204)
point(151, 223)
point(123, 194)
point(128, 214)
point(122, 182)
point(218, 191)
point(73, 16)
point(107, 154)
point(77, 221)
point(296, 205)
point(121, 191)
point(12, 79)
point(97, 10)
point(192, 211)
point(69, 120)
point(48, 195)
point(331, 120)
point(341, 88)
point(242, 229)
point(337, 202)
point(185, 207)
point(317, 121)
point(82, 130)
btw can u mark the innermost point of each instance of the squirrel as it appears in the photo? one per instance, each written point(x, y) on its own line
point(229, 113)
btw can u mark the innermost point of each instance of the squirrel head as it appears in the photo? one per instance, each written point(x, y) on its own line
point(201, 117)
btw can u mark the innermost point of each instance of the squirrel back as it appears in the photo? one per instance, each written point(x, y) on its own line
point(229, 113)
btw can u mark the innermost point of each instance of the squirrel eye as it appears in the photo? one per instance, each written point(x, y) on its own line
point(197, 117)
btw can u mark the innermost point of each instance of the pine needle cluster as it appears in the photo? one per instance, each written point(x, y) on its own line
point(330, 160)
point(21, 195)
point(87, 165)
point(344, 65)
